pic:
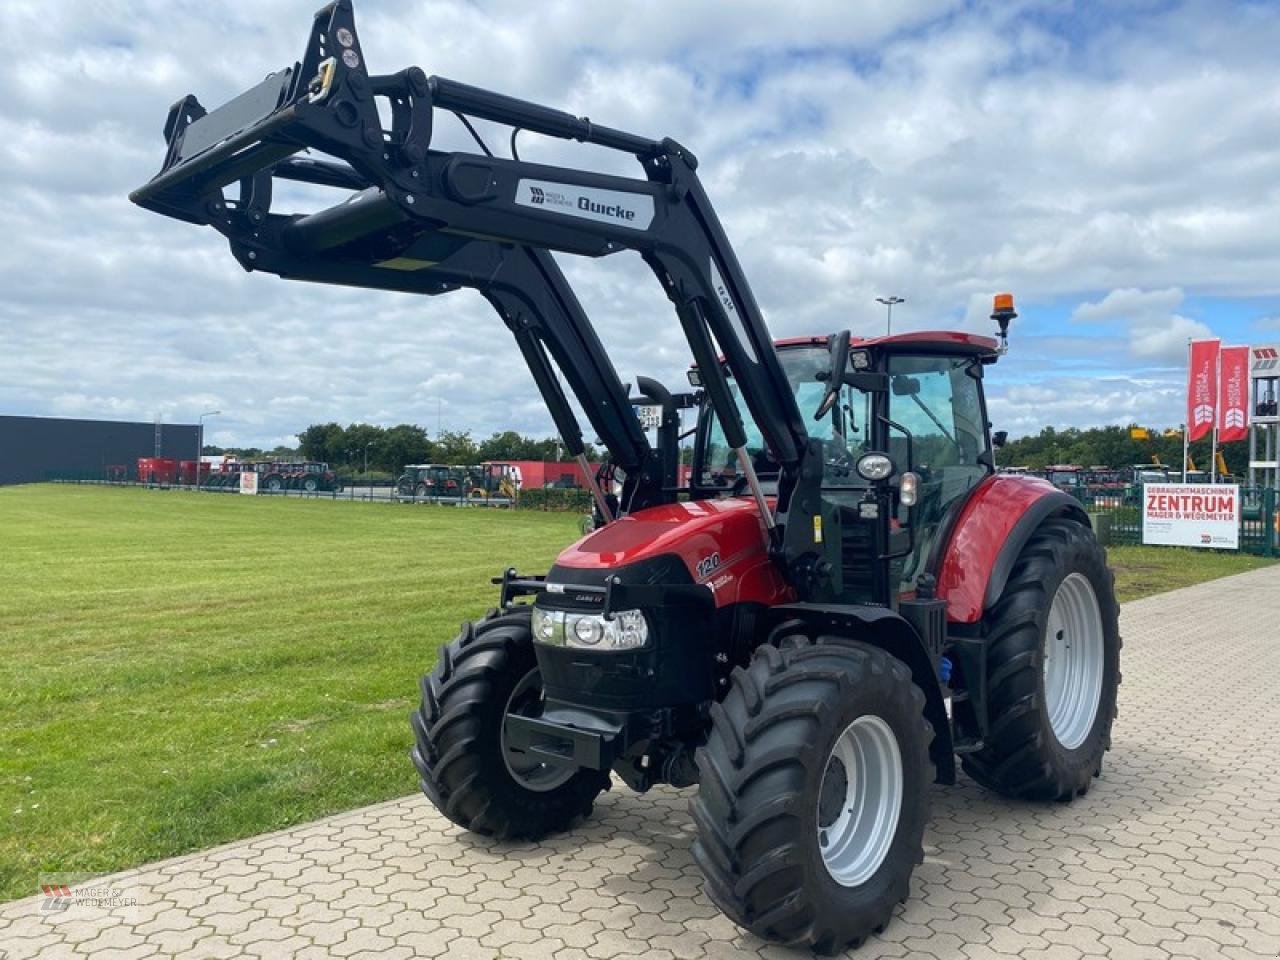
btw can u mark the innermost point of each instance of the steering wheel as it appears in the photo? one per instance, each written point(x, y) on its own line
point(837, 458)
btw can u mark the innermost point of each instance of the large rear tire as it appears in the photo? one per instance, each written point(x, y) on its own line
point(1053, 666)
point(814, 793)
point(465, 766)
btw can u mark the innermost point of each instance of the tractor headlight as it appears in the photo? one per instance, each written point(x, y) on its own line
point(588, 631)
point(874, 466)
point(628, 630)
point(544, 626)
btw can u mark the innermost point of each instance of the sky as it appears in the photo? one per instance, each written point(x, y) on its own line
point(1116, 166)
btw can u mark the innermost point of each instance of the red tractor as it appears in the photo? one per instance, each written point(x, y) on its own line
point(845, 598)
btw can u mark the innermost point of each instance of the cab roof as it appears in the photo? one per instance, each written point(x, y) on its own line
point(953, 340)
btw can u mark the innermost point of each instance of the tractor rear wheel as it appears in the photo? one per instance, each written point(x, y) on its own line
point(466, 768)
point(814, 792)
point(1053, 665)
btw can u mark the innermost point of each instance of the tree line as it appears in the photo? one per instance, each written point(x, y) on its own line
point(390, 448)
point(1114, 447)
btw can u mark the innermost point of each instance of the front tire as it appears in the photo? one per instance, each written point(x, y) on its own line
point(465, 767)
point(1053, 666)
point(814, 793)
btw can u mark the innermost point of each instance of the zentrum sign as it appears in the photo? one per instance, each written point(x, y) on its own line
point(1191, 515)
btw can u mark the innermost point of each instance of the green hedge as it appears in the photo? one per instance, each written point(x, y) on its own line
point(555, 499)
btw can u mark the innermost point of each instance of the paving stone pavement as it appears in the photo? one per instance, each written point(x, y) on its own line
point(1174, 853)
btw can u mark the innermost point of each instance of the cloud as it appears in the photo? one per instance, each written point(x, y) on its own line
point(935, 150)
point(1156, 330)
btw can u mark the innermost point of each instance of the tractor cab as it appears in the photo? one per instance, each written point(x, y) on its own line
point(903, 440)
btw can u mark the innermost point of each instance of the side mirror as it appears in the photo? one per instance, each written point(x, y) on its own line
point(999, 438)
point(839, 350)
point(904, 386)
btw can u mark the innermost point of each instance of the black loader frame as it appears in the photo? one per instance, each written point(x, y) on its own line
point(427, 221)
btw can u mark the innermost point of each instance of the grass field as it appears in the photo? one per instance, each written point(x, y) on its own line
point(178, 670)
point(1142, 571)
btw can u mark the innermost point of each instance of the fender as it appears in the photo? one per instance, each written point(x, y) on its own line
point(888, 630)
point(994, 524)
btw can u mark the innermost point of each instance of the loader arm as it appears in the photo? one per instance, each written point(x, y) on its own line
point(413, 199)
point(531, 295)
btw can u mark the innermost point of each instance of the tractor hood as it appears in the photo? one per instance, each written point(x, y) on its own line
point(695, 532)
point(720, 543)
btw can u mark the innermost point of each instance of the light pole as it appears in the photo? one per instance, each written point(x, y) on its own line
point(888, 303)
point(200, 441)
point(366, 458)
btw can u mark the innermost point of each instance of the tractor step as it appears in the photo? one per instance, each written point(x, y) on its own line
point(968, 746)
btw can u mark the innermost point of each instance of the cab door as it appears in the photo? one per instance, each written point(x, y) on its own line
point(938, 401)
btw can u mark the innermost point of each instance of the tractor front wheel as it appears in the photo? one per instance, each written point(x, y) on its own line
point(1053, 665)
point(466, 767)
point(814, 793)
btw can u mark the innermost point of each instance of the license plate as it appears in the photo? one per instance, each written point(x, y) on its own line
point(650, 417)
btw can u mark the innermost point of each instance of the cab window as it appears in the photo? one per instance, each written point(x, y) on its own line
point(940, 404)
point(844, 432)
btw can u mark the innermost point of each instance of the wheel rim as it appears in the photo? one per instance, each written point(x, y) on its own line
point(1073, 661)
point(529, 772)
point(859, 801)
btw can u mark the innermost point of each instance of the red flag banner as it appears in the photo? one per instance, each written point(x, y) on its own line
point(1202, 388)
point(1233, 394)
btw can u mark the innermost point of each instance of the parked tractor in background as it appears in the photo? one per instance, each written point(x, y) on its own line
point(846, 604)
point(434, 480)
point(1104, 487)
point(309, 476)
point(1068, 477)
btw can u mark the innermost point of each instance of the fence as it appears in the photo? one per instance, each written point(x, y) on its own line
point(1117, 517)
point(550, 499)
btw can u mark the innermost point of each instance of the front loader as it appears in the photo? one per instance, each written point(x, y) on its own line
point(844, 599)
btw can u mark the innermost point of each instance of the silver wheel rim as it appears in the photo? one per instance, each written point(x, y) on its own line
point(859, 801)
point(529, 772)
point(1073, 661)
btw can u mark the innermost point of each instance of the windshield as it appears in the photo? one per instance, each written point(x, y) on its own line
point(844, 432)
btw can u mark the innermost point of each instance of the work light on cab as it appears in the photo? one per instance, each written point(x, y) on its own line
point(874, 466)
